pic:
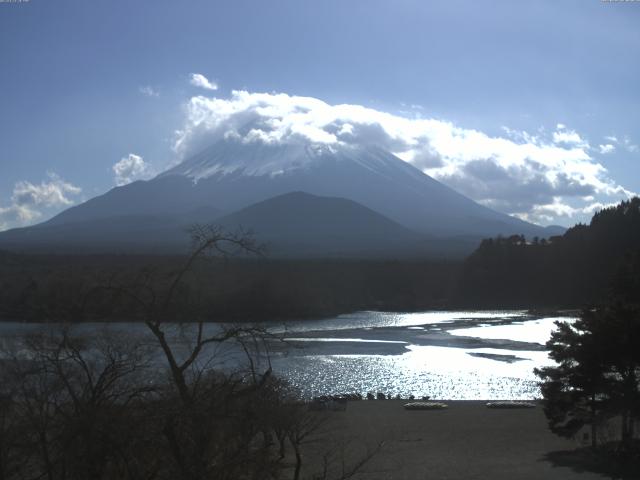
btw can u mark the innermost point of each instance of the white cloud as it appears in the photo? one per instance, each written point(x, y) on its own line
point(558, 211)
point(200, 81)
point(52, 193)
point(624, 142)
point(630, 146)
point(531, 175)
point(17, 215)
point(606, 148)
point(549, 213)
point(563, 135)
point(29, 200)
point(149, 91)
point(130, 168)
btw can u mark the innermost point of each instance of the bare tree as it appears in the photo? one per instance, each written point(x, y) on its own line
point(70, 404)
point(81, 407)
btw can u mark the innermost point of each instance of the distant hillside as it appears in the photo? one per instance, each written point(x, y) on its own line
point(293, 225)
point(298, 224)
point(569, 270)
point(228, 176)
point(121, 234)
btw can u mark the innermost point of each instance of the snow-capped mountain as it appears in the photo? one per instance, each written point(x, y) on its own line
point(233, 174)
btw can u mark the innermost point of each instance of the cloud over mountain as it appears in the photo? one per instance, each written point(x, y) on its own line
point(535, 176)
point(130, 168)
point(28, 200)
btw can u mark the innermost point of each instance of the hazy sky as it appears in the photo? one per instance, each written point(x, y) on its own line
point(531, 107)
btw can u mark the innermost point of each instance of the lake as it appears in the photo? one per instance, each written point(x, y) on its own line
point(470, 355)
point(445, 355)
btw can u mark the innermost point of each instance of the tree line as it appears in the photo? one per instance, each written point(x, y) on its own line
point(52, 288)
point(564, 271)
point(595, 383)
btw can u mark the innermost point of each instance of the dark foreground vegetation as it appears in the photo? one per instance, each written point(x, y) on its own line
point(571, 270)
point(103, 407)
point(594, 388)
point(52, 288)
point(567, 271)
point(158, 406)
point(73, 407)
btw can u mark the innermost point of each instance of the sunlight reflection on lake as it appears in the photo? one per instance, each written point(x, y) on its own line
point(443, 372)
point(440, 372)
point(538, 331)
point(369, 319)
point(446, 355)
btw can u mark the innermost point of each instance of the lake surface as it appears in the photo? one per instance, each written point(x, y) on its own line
point(469, 355)
point(445, 355)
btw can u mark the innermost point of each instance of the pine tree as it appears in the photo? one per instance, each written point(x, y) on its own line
point(598, 373)
point(574, 390)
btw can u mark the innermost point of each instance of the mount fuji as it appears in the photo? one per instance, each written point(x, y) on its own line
point(361, 197)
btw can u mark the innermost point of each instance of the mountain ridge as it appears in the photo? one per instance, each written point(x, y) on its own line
point(231, 175)
point(301, 224)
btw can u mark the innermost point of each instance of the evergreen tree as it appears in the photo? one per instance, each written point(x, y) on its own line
point(564, 271)
point(598, 373)
point(574, 390)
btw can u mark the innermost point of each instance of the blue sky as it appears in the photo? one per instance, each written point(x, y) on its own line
point(85, 85)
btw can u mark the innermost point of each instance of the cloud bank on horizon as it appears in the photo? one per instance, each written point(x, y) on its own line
point(543, 177)
point(29, 201)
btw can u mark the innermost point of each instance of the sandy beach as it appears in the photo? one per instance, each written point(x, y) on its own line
point(465, 441)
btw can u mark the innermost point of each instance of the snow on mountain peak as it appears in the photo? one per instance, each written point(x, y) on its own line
point(260, 158)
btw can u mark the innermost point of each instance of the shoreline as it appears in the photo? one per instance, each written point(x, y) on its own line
point(532, 311)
